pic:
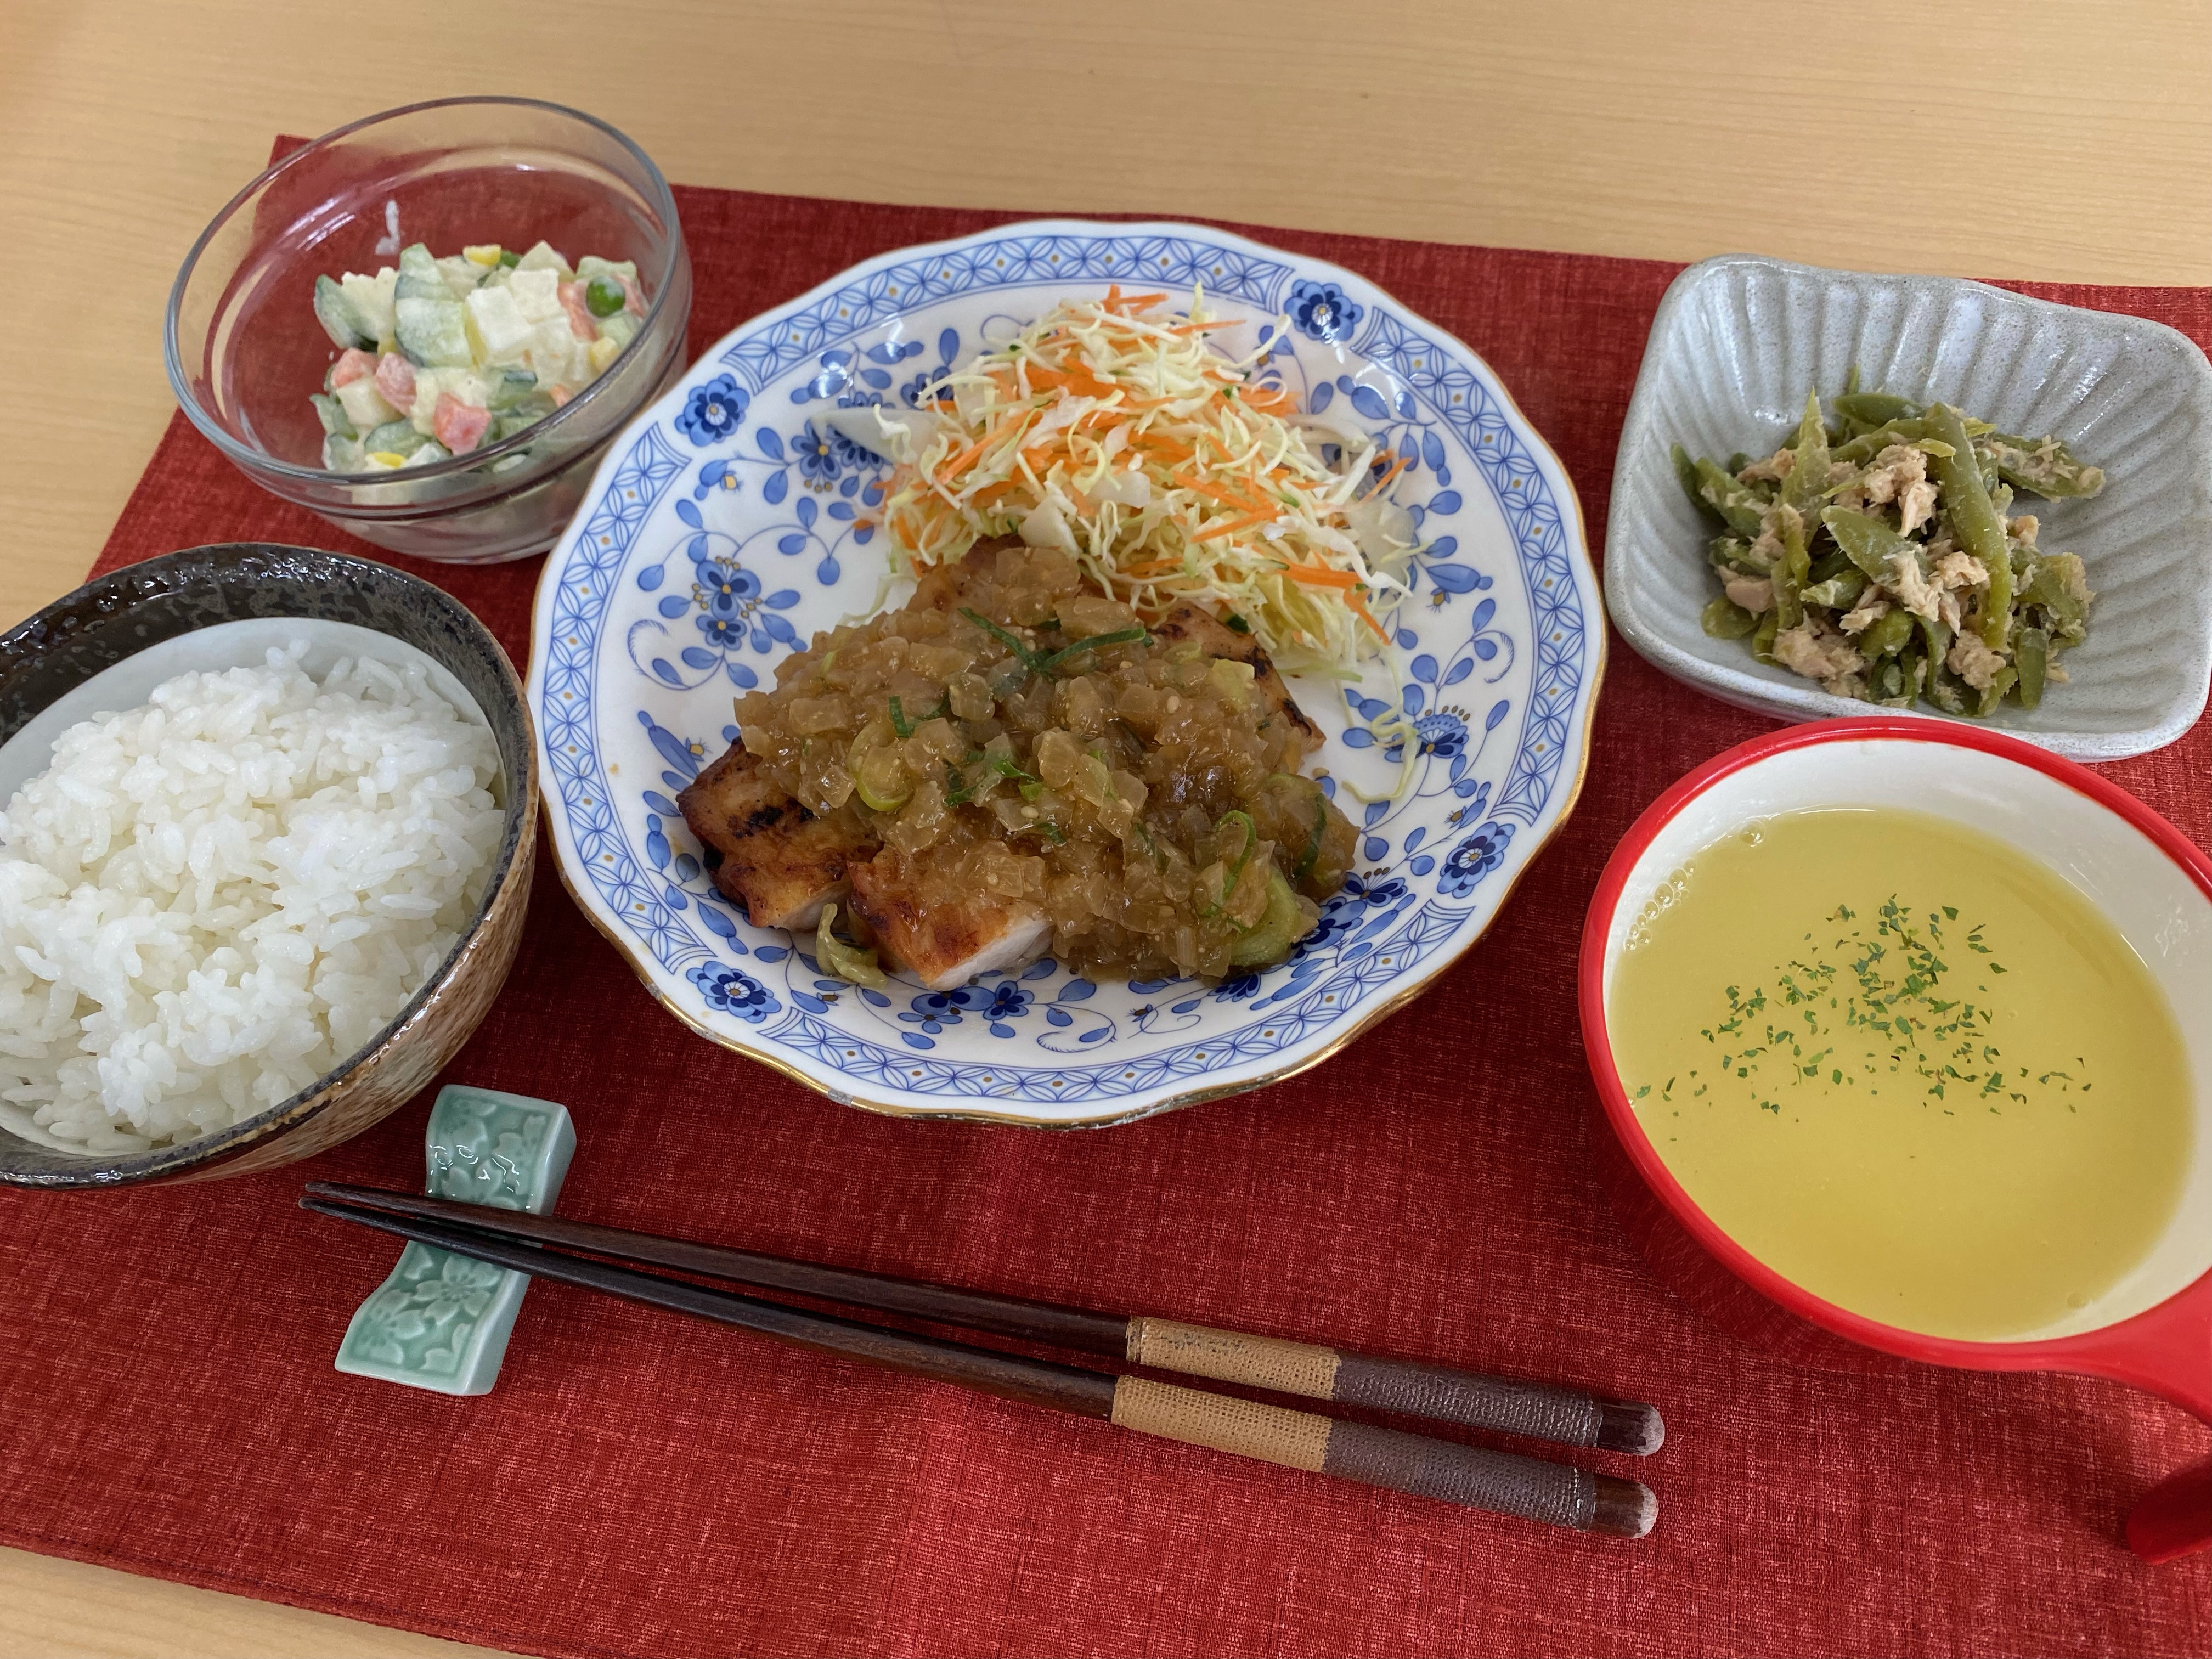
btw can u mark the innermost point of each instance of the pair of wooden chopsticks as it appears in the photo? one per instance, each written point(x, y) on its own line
point(1503, 1482)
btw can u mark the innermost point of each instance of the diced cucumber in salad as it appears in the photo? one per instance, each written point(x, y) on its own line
point(440, 356)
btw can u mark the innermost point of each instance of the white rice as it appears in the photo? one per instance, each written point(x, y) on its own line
point(211, 900)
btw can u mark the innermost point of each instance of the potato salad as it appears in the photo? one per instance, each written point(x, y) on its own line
point(437, 357)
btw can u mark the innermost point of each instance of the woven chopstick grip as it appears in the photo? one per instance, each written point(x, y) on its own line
point(1502, 1482)
point(1533, 1409)
point(1456, 1396)
point(1257, 1362)
point(1274, 1434)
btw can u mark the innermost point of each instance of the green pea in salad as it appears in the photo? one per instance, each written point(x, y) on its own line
point(1879, 555)
point(440, 356)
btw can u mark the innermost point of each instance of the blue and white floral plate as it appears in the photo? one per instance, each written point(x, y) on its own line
point(730, 523)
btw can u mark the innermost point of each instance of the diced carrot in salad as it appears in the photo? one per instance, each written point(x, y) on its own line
point(351, 366)
point(459, 426)
point(395, 379)
point(580, 315)
point(439, 357)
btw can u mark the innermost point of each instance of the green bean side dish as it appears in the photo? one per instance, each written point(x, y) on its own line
point(1876, 555)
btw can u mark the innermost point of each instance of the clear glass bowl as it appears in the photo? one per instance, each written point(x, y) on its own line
point(245, 349)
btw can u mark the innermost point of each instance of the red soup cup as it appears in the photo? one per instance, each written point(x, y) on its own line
point(2153, 1329)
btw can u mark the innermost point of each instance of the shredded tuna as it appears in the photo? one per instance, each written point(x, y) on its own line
point(1898, 475)
point(1894, 469)
point(1912, 590)
point(1847, 487)
point(1915, 505)
point(1871, 609)
point(1934, 596)
point(1817, 652)
point(1959, 570)
point(1754, 593)
point(1767, 547)
point(2023, 529)
point(1775, 468)
point(1974, 662)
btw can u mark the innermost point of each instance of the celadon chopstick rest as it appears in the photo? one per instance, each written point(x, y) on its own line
point(441, 1321)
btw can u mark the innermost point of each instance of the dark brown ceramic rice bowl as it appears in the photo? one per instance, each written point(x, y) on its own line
point(113, 618)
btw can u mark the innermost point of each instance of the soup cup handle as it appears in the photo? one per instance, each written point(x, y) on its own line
point(2165, 1351)
point(2175, 1517)
point(2168, 1351)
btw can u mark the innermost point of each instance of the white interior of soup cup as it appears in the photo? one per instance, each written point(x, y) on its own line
point(2162, 914)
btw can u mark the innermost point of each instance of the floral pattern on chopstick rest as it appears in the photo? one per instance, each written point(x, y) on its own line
point(441, 1321)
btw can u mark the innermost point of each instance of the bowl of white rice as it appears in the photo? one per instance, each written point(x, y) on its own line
point(266, 831)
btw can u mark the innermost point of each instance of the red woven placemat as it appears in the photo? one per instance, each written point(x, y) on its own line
point(639, 1484)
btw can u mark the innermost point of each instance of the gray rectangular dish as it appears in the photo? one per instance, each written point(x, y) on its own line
point(1738, 341)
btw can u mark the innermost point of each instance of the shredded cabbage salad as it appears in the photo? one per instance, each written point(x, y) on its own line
point(1113, 430)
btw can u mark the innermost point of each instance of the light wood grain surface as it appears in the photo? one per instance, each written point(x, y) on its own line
point(67, 1610)
point(2053, 142)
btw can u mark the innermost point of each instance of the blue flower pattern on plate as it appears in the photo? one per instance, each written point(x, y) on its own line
point(712, 412)
point(821, 455)
point(736, 550)
point(1008, 1002)
point(1442, 732)
point(1473, 859)
point(1320, 311)
point(729, 991)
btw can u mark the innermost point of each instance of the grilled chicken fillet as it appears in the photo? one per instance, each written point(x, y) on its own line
point(764, 849)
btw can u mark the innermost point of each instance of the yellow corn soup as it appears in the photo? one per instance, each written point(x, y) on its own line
point(1906, 1066)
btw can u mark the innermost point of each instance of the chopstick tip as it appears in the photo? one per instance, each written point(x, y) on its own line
point(1626, 1426)
point(1626, 1509)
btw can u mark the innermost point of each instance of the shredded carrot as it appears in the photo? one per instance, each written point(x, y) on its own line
point(1317, 575)
point(1079, 378)
point(1226, 498)
point(1359, 609)
point(960, 463)
point(1231, 526)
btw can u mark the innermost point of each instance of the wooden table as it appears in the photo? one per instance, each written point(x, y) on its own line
point(1667, 131)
